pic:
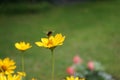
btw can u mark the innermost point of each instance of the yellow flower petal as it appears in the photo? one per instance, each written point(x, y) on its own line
point(74, 78)
point(11, 77)
point(39, 43)
point(44, 40)
point(22, 73)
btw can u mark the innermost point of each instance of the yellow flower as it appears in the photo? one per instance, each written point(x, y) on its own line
point(22, 46)
point(7, 66)
point(74, 78)
point(51, 42)
point(33, 79)
point(11, 77)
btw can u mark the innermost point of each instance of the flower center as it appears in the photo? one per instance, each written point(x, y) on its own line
point(3, 69)
point(50, 42)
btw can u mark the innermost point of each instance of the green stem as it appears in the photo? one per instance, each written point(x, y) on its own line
point(53, 61)
point(22, 65)
point(22, 62)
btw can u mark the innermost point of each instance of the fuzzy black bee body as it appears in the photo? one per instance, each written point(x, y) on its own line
point(49, 33)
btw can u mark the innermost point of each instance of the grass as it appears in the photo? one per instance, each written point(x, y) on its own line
point(91, 29)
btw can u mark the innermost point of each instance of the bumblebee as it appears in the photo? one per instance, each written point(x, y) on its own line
point(49, 33)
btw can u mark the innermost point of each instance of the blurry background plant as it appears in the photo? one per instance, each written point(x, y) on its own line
point(92, 70)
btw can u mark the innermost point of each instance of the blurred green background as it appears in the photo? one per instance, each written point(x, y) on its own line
point(92, 30)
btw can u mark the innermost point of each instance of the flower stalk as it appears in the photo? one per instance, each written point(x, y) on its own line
point(53, 63)
point(22, 62)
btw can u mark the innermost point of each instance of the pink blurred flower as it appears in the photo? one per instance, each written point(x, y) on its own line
point(70, 70)
point(77, 59)
point(90, 65)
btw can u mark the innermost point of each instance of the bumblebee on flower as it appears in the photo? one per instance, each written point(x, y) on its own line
point(51, 41)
